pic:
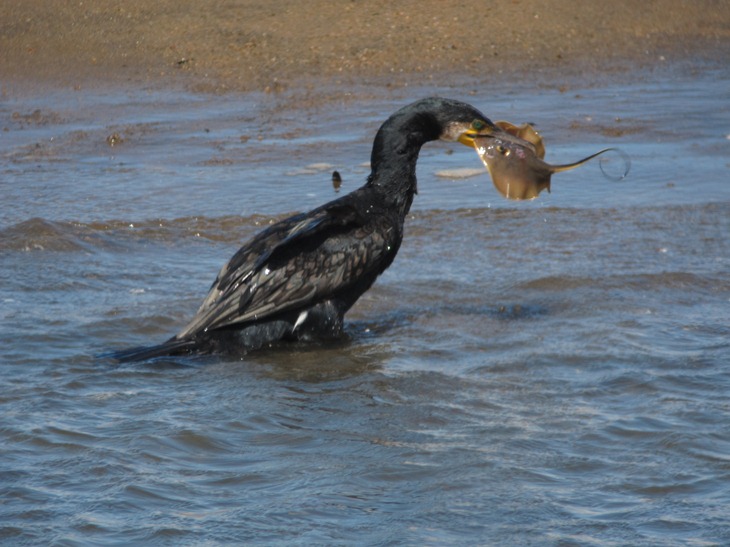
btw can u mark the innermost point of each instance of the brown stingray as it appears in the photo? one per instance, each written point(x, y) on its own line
point(514, 161)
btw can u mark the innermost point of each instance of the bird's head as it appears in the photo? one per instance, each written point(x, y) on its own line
point(467, 131)
point(433, 118)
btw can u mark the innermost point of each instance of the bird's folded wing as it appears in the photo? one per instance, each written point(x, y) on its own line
point(302, 260)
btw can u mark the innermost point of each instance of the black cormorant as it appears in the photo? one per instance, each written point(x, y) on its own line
point(296, 279)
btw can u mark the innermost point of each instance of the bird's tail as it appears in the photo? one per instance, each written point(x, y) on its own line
point(173, 346)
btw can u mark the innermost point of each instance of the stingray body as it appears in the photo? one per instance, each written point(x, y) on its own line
point(515, 162)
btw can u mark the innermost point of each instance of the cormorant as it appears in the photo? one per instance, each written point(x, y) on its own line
point(296, 279)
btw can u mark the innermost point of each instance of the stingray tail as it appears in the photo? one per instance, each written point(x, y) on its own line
point(172, 347)
point(569, 166)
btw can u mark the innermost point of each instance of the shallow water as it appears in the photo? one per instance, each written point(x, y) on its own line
point(548, 372)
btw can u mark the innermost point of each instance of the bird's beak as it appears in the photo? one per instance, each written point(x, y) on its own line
point(488, 130)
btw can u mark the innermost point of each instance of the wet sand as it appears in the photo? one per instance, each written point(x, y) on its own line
point(274, 46)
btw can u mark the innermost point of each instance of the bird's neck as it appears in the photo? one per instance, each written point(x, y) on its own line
point(394, 156)
point(396, 185)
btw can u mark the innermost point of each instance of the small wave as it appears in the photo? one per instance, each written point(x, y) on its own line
point(654, 281)
point(459, 173)
point(38, 234)
point(311, 169)
point(558, 283)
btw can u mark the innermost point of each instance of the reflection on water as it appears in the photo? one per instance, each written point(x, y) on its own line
point(551, 372)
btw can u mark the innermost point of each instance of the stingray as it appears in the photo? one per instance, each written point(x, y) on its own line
point(515, 162)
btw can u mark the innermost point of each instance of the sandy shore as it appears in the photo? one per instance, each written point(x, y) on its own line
point(246, 45)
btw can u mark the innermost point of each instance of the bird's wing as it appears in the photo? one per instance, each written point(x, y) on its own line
point(297, 261)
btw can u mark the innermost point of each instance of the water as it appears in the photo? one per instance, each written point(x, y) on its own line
point(543, 373)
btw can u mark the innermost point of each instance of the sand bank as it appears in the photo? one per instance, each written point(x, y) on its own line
point(213, 46)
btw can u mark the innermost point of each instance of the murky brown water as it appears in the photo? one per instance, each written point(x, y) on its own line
point(551, 372)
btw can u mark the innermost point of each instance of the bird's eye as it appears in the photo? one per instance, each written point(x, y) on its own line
point(477, 125)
